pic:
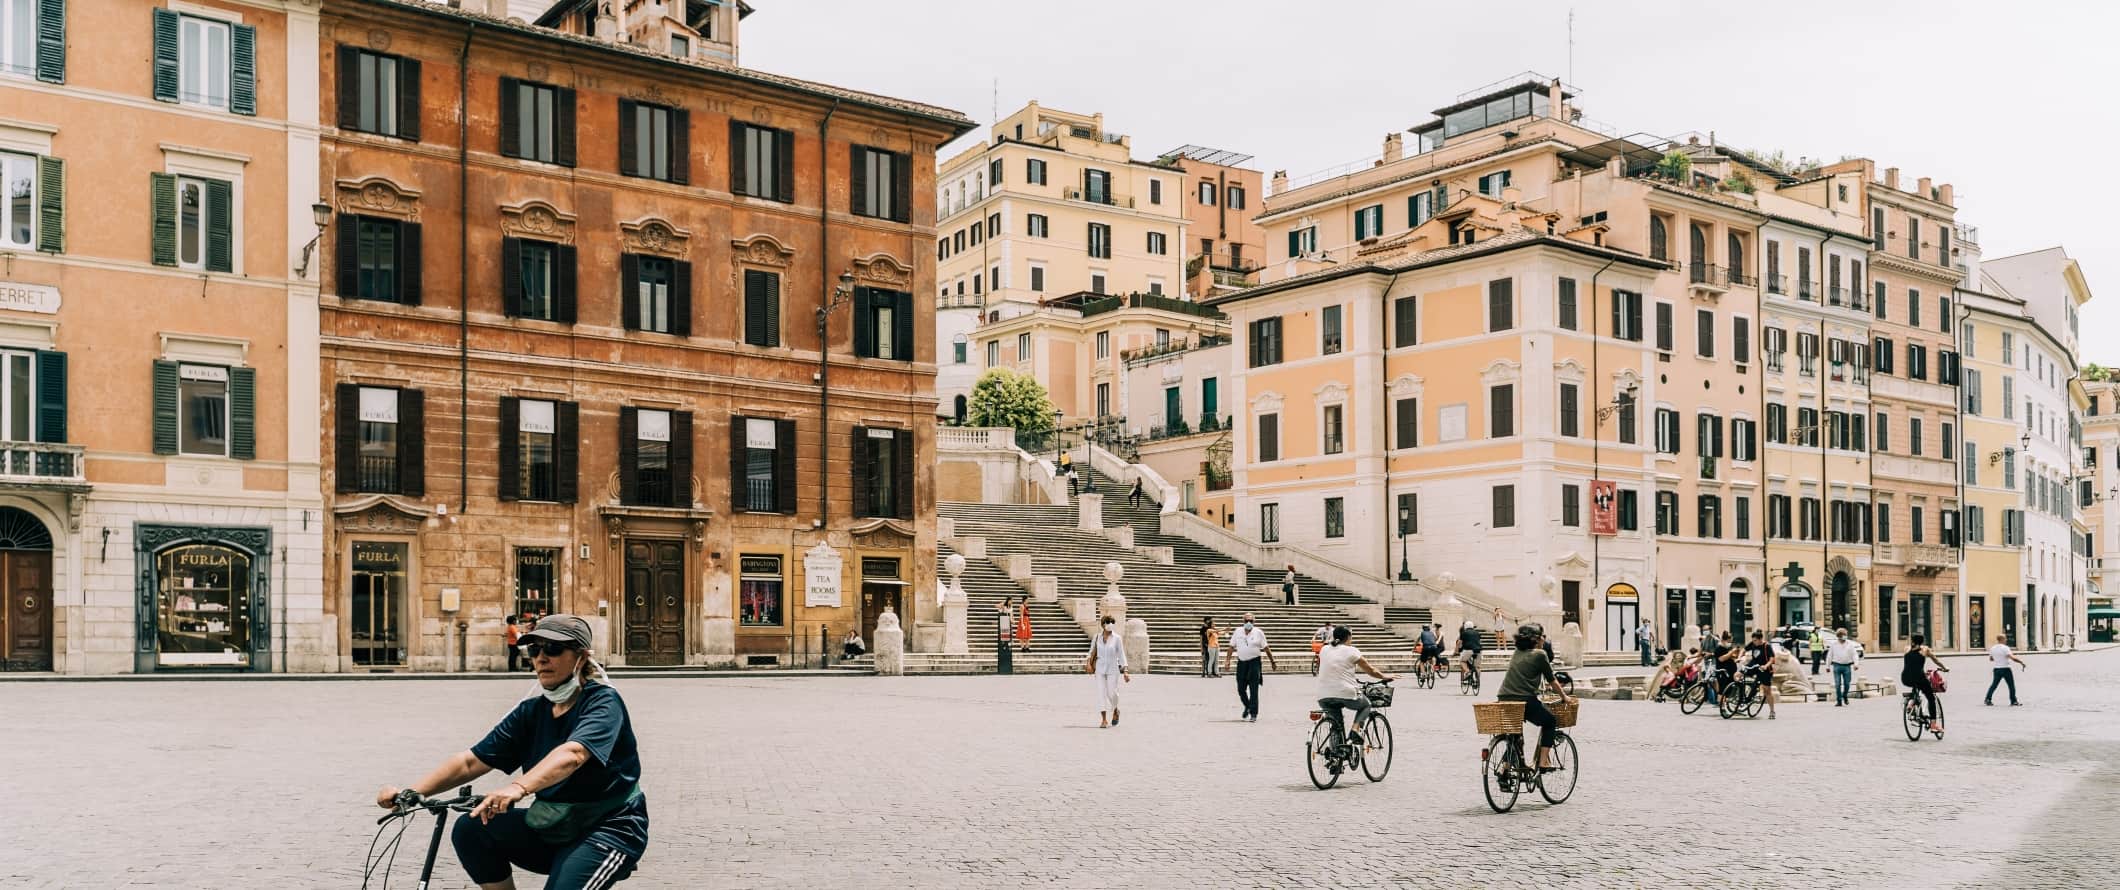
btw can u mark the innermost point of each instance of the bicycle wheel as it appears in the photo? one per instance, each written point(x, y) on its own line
point(1911, 716)
point(1324, 770)
point(1727, 701)
point(1376, 747)
point(1557, 785)
point(1756, 699)
point(1939, 720)
point(1690, 701)
point(1497, 772)
point(1470, 685)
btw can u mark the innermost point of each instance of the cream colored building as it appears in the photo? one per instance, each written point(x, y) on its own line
point(1051, 204)
point(2098, 495)
point(1078, 345)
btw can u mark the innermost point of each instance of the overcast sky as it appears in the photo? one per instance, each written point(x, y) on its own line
point(2011, 102)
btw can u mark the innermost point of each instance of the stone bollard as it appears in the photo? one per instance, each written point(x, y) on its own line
point(1568, 647)
point(1113, 604)
point(890, 644)
point(1136, 642)
point(956, 606)
point(1089, 512)
point(1692, 638)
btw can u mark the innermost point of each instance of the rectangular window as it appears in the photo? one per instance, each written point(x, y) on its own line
point(1774, 284)
point(1564, 308)
point(1335, 429)
point(1233, 197)
point(883, 324)
point(1419, 207)
point(1492, 184)
point(883, 184)
point(1914, 436)
point(1405, 321)
point(1572, 506)
point(538, 280)
point(1332, 339)
point(883, 472)
point(761, 308)
point(763, 590)
point(1803, 274)
point(1265, 342)
point(1704, 333)
point(1038, 279)
point(1629, 510)
point(204, 223)
point(377, 93)
point(1269, 438)
point(652, 141)
point(536, 448)
point(1036, 226)
point(762, 162)
point(1667, 433)
point(765, 462)
point(655, 439)
point(1501, 304)
point(1667, 513)
point(375, 440)
point(1501, 411)
point(1406, 418)
point(1335, 517)
point(1627, 315)
point(1950, 441)
point(1023, 347)
point(1504, 506)
point(1104, 400)
point(20, 204)
point(1708, 521)
point(1369, 222)
point(1743, 515)
point(1207, 193)
point(1100, 241)
point(1155, 191)
point(1571, 411)
point(1914, 529)
point(1269, 523)
point(1096, 186)
point(1741, 340)
point(537, 122)
point(1914, 241)
point(993, 171)
point(1913, 307)
point(1104, 344)
point(1303, 242)
point(203, 61)
point(1096, 282)
point(1884, 523)
point(993, 353)
point(1034, 171)
point(383, 259)
point(651, 298)
point(1627, 430)
point(1665, 336)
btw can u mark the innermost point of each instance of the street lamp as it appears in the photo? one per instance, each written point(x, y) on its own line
point(1404, 515)
point(321, 214)
point(840, 296)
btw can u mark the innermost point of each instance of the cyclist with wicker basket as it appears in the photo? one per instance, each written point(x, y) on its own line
point(1531, 672)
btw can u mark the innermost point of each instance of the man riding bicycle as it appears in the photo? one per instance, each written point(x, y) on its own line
point(574, 743)
point(1431, 646)
point(1339, 687)
point(1469, 644)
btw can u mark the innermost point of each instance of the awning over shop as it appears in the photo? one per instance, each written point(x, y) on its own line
point(2105, 613)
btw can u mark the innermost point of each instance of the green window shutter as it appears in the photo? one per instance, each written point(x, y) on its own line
point(243, 74)
point(220, 227)
point(1295, 248)
point(242, 413)
point(51, 396)
point(51, 41)
point(165, 55)
point(164, 247)
point(51, 205)
point(165, 411)
point(681, 299)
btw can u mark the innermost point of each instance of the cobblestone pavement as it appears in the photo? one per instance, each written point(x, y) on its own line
point(1007, 782)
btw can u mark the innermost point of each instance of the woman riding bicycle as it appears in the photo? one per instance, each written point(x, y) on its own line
point(1339, 687)
point(589, 825)
point(1917, 680)
point(1530, 671)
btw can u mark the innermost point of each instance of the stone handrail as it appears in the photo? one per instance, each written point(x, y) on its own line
point(41, 462)
point(975, 438)
point(1039, 472)
point(1112, 465)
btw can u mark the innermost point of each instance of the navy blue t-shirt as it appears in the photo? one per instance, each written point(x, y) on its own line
point(599, 722)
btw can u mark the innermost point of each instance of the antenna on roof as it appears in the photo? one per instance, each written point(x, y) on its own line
point(1571, 44)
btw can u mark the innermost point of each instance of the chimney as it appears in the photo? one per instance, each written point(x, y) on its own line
point(1945, 195)
point(1394, 147)
point(1891, 177)
point(1511, 194)
point(1923, 189)
point(1279, 184)
point(1553, 98)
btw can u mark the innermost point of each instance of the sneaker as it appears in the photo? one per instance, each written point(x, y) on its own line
point(1988, 703)
point(2016, 704)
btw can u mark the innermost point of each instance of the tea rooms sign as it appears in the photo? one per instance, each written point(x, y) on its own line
point(21, 297)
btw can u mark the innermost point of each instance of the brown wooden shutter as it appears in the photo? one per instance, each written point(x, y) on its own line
point(563, 117)
point(629, 290)
point(681, 458)
point(737, 157)
point(349, 90)
point(567, 445)
point(903, 463)
point(864, 324)
point(902, 186)
point(681, 299)
point(511, 122)
point(347, 438)
point(412, 443)
point(784, 468)
point(511, 445)
point(681, 146)
point(784, 178)
point(903, 319)
point(511, 276)
point(859, 465)
point(408, 266)
point(858, 183)
point(563, 304)
point(628, 152)
point(408, 99)
point(737, 503)
point(349, 255)
point(628, 454)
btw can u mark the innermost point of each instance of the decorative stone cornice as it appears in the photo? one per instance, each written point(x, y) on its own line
point(377, 196)
point(653, 235)
point(883, 270)
point(1332, 392)
point(537, 219)
point(1407, 386)
point(762, 250)
point(1266, 402)
point(1500, 371)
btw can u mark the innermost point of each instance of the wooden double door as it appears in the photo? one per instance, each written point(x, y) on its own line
point(26, 619)
point(655, 602)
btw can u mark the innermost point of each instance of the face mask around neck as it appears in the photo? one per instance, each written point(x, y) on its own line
point(564, 691)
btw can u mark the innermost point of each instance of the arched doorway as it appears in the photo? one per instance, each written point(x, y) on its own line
point(1842, 602)
point(26, 584)
point(1622, 615)
point(962, 409)
point(1795, 604)
point(1740, 606)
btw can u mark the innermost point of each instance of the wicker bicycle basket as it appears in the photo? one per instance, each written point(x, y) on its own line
point(1507, 717)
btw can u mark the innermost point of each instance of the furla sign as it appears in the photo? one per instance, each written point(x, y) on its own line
point(23, 297)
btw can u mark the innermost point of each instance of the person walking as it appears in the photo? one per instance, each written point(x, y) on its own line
point(1023, 624)
point(1133, 498)
point(1208, 651)
point(1246, 645)
point(513, 634)
point(1107, 662)
point(2001, 655)
point(1844, 653)
point(1818, 650)
point(1645, 640)
point(1501, 624)
point(1067, 468)
point(1288, 585)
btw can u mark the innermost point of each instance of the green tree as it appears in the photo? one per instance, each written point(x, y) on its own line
point(1005, 398)
point(2095, 372)
point(1676, 167)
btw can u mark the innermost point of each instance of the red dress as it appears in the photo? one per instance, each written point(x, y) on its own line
point(1023, 623)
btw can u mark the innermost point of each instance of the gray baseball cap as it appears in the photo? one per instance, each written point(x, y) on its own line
point(562, 629)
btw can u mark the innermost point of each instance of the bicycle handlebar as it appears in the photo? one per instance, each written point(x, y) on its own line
point(410, 802)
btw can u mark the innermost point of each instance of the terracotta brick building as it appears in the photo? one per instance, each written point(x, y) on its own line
point(570, 358)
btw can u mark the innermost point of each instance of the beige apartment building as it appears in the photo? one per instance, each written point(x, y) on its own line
point(2098, 495)
point(1222, 200)
point(1051, 204)
point(1079, 346)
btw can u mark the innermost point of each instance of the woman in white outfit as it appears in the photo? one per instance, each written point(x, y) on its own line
point(1107, 661)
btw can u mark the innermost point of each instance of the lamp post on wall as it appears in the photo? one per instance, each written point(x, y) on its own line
point(1405, 514)
point(320, 213)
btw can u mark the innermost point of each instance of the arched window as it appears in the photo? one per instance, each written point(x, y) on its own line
point(961, 408)
point(1659, 239)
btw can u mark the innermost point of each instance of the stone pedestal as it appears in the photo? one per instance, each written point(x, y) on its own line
point(890, 645)
point(1692, 638)
point(1113, 604)
point(1136, 642)
point(1089, 512)
point(1568, 644)
point(955, 638)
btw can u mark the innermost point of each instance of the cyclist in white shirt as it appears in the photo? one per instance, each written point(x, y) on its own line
point(2001, 655)
point(1340, 687)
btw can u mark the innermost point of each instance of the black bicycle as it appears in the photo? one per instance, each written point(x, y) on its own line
point(1745, 695)
point(1916, 718)
point(383, 854)
point(1504, 772)
point(1424, 672)
point(1469, 678)
point(1327, 758)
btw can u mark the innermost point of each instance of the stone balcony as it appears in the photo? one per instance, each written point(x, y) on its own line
point(1918, 558)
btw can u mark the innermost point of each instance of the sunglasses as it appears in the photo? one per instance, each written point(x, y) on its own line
point(552, 650)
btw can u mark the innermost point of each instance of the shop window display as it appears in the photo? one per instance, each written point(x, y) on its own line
point(203, 606)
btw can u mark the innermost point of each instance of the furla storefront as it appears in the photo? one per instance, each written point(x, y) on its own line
point(202, 595)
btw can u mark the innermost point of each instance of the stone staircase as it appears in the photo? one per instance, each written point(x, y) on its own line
point(1172, 598)
point(986, 586)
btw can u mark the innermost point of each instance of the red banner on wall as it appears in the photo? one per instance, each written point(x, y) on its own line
point(1604, 507)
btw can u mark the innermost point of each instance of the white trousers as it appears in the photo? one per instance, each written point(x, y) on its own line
point(1107, 691)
